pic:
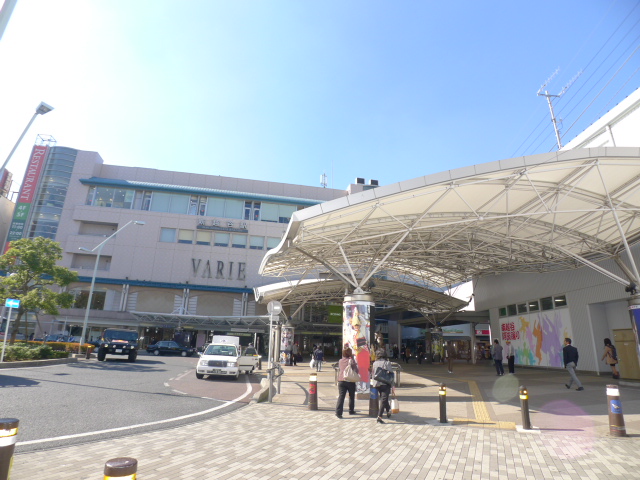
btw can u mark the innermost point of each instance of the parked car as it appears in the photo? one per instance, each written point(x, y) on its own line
point(169, 347)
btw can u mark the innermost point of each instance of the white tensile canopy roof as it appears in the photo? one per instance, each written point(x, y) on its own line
point(537, 213)
point(409, 297)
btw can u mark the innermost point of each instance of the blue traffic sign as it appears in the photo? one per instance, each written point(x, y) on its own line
point(12, 303)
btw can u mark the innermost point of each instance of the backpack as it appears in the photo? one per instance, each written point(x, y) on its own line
point(614, 353)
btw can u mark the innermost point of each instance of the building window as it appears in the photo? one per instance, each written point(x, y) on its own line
point(534, 306)
point(221, 240)
point(252, 211)
point(233, 208)
point(168, 235)
point(160, 202)
point(272, 242)
point(502, 311)
point(97, 299)
point(285, 212)
point(238, 241)
point(104, 197)
point(560, 301)
point(511, 309)
point(522, 308)
point(90, 194)
point(185, 236)
point(179, 204)
point(546, 303)
point(256, 243)
point(203, 237)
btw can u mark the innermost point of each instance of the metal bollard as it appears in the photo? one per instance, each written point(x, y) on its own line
point(524, 405)
point(442, 393)
point(87, 353)
point(123, 468)
point(616, 420)
point(8, 439)
point(313, 391)
point(374, 399)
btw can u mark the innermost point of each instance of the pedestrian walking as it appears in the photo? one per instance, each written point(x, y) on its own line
point(511, 359)
point(407, 355)
point(496, 353)
point(420, 353)
point(383, 389)
point(319, 358)
point(403, 353)
point(611, 357)
point(449, 353)
point(346, 384)
point(395, 351)
point(295, 352)
point(570, 358)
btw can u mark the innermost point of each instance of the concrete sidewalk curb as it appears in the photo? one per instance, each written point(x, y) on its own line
point(38, 363)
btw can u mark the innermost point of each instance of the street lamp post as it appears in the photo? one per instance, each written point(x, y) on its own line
point(95, 271)
point(40, 110)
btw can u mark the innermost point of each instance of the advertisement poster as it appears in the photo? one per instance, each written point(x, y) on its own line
point(355, 335)
point(537, 338)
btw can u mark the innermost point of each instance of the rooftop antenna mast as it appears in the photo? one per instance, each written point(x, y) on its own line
point(549, 96)
point(323, 180)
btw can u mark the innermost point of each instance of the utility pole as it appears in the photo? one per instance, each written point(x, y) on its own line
point(549, 96)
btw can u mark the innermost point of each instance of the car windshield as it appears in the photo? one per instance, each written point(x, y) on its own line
point(224, 350)
point(128, 336)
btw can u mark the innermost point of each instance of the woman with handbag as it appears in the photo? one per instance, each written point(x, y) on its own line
point(347, 378)
point(382, 380)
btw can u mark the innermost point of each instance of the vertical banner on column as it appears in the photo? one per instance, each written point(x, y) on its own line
point(286, 342)
point(27, 193)
point(634, 310)
point(355, 335)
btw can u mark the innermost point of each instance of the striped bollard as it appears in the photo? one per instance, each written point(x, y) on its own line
point(8, 439)
point(123, 468)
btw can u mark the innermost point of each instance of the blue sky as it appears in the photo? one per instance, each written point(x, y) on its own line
point(288, 90)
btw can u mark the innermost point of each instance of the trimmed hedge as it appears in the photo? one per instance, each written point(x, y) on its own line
point(24, 351)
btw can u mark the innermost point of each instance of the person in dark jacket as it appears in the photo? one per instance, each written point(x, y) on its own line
point(570, 357)
point(345, 386)
point(383, 389)
point(496, 353)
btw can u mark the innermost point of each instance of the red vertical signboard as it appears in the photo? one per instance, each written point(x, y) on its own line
point(27, 193)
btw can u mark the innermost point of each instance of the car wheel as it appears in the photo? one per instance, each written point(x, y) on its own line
point(101, 355)
point(156, 352)
point(199, 376)
point(183, 353)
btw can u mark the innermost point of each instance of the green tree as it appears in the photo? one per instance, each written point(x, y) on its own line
point(30, 266)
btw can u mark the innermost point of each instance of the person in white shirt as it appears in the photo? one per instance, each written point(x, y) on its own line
point(510, 354)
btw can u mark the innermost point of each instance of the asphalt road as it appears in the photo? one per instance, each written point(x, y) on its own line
point(74, 403)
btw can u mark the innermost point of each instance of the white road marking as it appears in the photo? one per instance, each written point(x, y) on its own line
point(180, 377)
point(131, 427)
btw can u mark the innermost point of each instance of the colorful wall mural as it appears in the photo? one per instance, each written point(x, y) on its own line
point(537, 338)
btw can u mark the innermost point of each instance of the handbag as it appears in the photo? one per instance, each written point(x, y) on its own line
point(383, 376)
point(312, 363)
point(350, 375)
point(395, 405)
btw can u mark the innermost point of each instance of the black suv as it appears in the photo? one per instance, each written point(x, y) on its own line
point(118, 342)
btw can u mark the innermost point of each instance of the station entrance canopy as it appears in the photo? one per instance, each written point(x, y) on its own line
point(252, 324)
point(538, 213)
point(397, 295)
